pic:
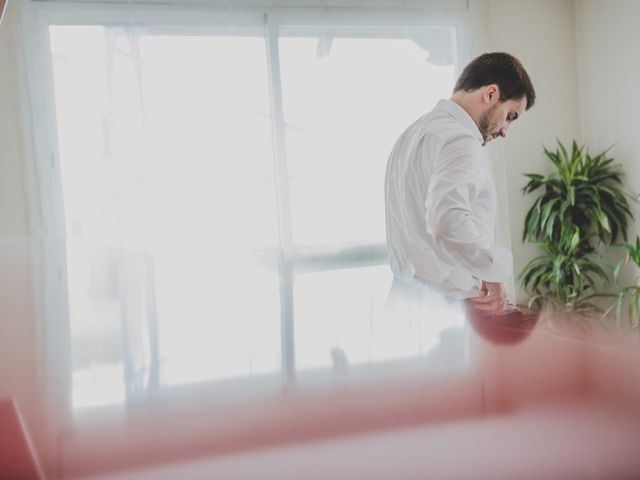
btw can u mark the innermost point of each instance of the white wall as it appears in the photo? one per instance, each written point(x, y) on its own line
point(541, 35)
point(608, 55)
point(19, 336)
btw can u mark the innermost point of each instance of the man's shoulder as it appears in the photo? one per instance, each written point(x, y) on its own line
point(444, 127)
point(434, 131)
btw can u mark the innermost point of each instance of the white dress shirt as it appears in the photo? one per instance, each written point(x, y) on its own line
point(440, 205)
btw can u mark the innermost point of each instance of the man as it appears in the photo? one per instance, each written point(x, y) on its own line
point(439, 194)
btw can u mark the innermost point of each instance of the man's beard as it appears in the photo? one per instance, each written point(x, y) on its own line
point(484, 125)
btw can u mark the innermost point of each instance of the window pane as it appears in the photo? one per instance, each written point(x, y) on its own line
point(207, 113)
point(95, 316)
point(224, 322)
point(345, 103)
point(167, 177)
point(342, 320)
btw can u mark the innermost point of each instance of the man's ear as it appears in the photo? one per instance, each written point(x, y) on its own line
point(490, 94)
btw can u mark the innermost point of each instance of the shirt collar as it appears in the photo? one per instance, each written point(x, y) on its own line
point(459, 113)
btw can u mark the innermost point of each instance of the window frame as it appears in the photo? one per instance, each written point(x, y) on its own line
point(48, 205)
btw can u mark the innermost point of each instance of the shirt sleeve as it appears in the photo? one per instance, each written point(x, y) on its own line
point(459, 174)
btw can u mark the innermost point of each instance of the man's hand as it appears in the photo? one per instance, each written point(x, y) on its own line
point(493, 298)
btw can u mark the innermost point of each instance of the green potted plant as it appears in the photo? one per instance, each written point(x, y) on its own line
point(630, 291)
point(580, 206)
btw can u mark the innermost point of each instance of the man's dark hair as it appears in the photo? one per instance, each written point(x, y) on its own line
point(504, 70)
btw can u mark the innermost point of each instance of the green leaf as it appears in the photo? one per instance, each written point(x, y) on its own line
point(597, 269)
point(616, 271)
point(604, 221)
point(572, 195)
point(575, 240)
point(576, 269)
point(564, 157)
point(554, 158)
point(551, 224)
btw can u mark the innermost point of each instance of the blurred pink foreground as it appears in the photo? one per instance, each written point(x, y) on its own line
point(562, 404)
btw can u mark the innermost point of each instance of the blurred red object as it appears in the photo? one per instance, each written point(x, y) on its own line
point(509, 327)
point(18, 459)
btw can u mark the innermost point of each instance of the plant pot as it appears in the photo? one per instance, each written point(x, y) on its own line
point(506, 328)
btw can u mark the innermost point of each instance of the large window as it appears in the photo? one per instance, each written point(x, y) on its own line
point(223, 199)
